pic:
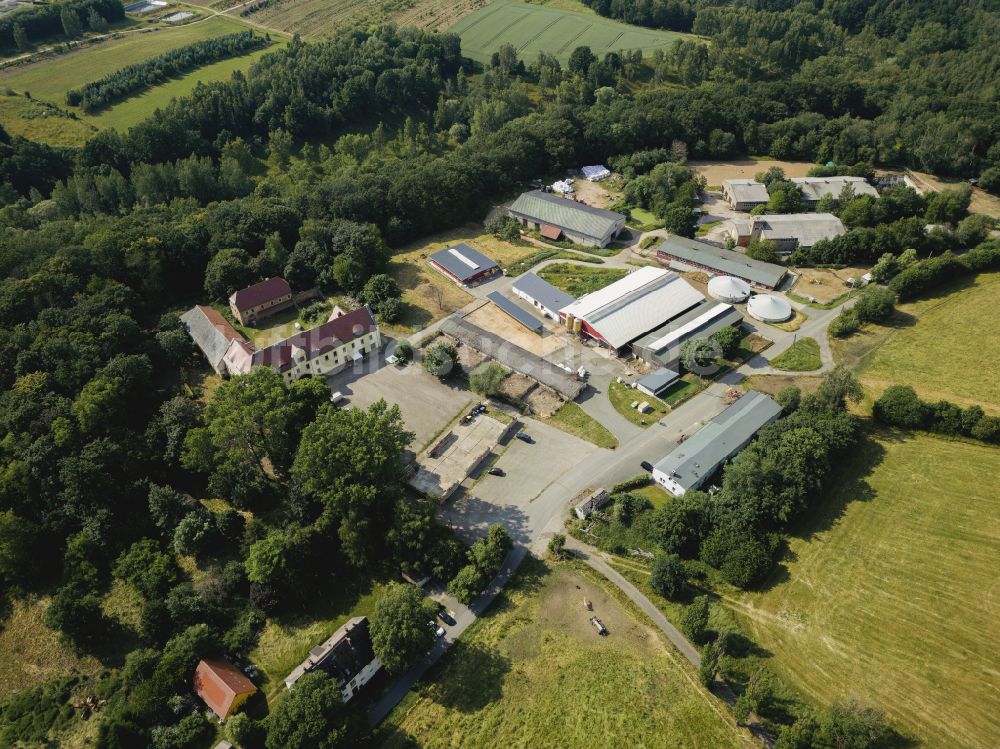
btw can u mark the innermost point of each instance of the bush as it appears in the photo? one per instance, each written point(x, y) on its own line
point(763, 250)
point(488, 379)
point(789, 398)
point(667, 576)
point(404, 351)
point(441, 360)
point(504, 227)
point(694, 620)
point(557, 546)
point(636, 482)
point(900, 406)
point(844, 324)
point(728, 340)
point(467, 584)
point(875, 303)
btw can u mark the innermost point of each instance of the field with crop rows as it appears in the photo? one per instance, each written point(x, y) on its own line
point(535, 28)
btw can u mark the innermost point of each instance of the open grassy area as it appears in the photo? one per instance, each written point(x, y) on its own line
point(622, 397)
point(801, 356)
point(286, 640)
point(891, 593)
point(537, 28)
point(578, 280)
point(945, 346)
point(31, 653)
point(533, 672)
point(50, 79)
point(574, 420)
point(42, 122)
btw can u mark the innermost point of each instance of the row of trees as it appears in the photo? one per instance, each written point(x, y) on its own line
point(899, 405)
point(133, 78)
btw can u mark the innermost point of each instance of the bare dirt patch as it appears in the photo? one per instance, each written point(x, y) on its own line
point(598, 194)
point(717, 171)
point(825, 284)
point(488, 317)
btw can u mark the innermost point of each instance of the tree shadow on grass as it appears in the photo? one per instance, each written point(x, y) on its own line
point(474, 680)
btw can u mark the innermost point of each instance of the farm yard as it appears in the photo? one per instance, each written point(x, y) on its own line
point(944, 346)
point(50, 79)
point(891, 594)
point(538, 28)
point(534, 672)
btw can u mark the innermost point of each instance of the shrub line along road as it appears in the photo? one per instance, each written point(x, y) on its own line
point(545, 514)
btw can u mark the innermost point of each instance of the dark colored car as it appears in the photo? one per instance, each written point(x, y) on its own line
point(495, 472)
point(646, 466)
point(524, 437)
point(446, 618)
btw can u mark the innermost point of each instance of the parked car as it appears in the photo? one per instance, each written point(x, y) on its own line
point(646, 466)
point(438, 629)
point(496, 472)
point(524, 437)
point(446, 617)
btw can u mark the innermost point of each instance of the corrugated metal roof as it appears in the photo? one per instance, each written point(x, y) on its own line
point(814, 188)
point(526, 319)
point(463, 261)
point(663, 347)
point(659, 380)
point(645, 299)
point(807, 228)
point(702, 453)
point(728, 262)
point(542, 291)
point(567, 214)
point(747, 190)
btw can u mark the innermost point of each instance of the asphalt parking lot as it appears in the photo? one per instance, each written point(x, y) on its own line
point(427, 404)
point(513, 499)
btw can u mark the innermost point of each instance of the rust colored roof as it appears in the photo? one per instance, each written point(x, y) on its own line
point(318, 340)
point(220, 323)
point(550, 232)
point(259, 293)
point(219, 683)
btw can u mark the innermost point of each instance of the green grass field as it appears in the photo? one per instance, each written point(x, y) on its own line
point(801, 356)
point(951, 349)
point(533, 672)
point(574, 420)
point(41, 121)
point(622, 397)
point(50, 79)
point(578, 280)
point(892, 594)
point(536, 28)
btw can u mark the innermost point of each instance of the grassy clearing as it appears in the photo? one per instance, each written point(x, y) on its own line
point(50, 79)
point(42, 122)
point(536, 28)
point(578, 280)
point(534, 673)
point(945, 346)
point(890, 593)
point(622, 397)
point(574, 420)
point(286, 640)
point(801, 356)
point(31, 653)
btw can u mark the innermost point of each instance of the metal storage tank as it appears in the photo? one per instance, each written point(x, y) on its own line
point(768, 308)
point(729, 289)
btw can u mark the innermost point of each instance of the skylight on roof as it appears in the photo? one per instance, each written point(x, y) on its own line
point(457, 253)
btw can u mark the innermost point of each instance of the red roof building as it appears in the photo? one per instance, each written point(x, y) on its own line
point(222, 686)
point(261, 300)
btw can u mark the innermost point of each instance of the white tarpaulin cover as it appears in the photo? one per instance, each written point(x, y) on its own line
point(562, 187)
point(596, 173)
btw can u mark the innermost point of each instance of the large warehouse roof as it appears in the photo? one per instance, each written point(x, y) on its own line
point(747, 190)
point(814, 188)
point(645, 299)
point(700, 455)
point(727, 262)
point(566, 214)
point(462, 261)
point(807, 228)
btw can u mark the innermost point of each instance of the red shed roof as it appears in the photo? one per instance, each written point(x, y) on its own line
point(259, 293)
point(219, 683)
point(550, 232)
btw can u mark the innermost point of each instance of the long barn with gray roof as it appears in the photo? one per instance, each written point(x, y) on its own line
point(577, 222)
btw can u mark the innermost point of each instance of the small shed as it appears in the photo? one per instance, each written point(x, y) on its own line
point(656, 382)
point(594, 501)
point(222, 686)
point(550, 232)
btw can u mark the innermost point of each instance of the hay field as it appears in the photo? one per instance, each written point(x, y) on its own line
point(50, 79)
point(535, 28)
point(534, 673)
point(946, 347)
point(892, 593)
point(318, 18)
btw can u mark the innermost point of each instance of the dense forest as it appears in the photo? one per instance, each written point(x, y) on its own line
point(312, 165)
point(43, 20)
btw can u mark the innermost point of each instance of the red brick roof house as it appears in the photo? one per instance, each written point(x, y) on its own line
point(325, 349)
point(261, 300)
point(222, 686)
